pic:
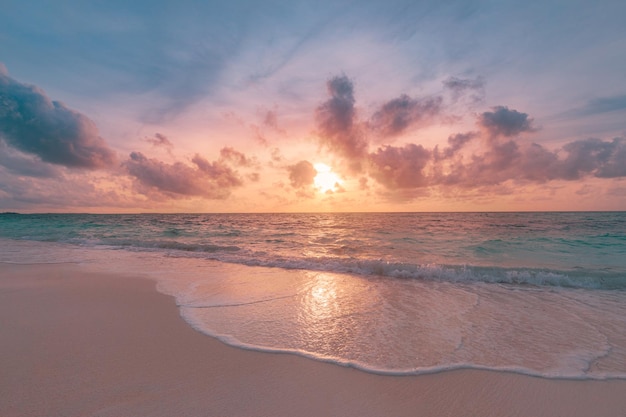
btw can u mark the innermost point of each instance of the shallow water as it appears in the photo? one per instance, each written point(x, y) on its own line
point(536, 293)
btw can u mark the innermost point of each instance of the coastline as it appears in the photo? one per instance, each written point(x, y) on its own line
point(79, 343)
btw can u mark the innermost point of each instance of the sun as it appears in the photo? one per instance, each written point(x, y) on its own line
point(326, 181)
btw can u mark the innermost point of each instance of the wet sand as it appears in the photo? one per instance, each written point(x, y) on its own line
point(76, 343)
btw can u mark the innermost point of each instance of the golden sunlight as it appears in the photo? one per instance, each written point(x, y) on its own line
point(326, 180)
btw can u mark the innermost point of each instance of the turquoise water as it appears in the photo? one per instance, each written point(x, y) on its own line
point(536, 293)
point(564, 249)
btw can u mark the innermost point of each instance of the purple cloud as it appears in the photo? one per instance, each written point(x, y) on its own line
point(485, 158)
point(456, 143)
point(336, 120)
point(602, 159)
point(505, 122)
point(397, 115)
point(32, 123)
point(400, 167)
point(212, 180)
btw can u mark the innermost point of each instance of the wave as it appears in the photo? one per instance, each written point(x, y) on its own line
point(343, 262)
point(377, 267)
point(450, 273)
point(413, 371)
point(171, 245)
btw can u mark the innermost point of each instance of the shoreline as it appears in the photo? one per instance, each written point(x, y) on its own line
point(81, 343)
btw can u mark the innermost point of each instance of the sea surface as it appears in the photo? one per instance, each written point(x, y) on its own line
point(542, 294)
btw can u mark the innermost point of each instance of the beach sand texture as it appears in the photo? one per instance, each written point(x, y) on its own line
point(76, 343)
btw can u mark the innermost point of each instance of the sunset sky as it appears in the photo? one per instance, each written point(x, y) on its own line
point(244, 106)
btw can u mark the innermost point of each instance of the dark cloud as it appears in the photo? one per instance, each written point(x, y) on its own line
point(395, 116)
point(301, 174)
point(336, 120)
point(400, 167)
point(505, 122)
point(32, 123)
point(208, 179)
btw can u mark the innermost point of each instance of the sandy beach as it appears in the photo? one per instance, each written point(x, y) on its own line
point(84, 344)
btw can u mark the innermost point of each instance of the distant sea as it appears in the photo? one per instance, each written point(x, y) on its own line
point(542, 294)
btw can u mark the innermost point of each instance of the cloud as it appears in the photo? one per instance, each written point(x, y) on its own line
point(235, 157)
point(602, 158)
point(26, 165)
point(302, 174)
point(503, 161)
point(505, 122)
point(218, 172)
point(400, 167)
point(493, 156)
point(32, 123)
point(212, 180)
point(460, 87)
point(601, 105)
point(160, 140)
point(456, 143)
point(336, 120)
point(397, 115)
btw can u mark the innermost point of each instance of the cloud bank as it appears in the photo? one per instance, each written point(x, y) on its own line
point(211, 180)
point(34, 124)
point(497, 152)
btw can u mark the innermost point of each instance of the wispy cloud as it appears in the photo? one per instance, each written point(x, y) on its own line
point(599, 105)
point(160, 140)
point(461, 87)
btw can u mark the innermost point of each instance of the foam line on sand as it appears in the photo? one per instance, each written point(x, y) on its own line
point(77, 343)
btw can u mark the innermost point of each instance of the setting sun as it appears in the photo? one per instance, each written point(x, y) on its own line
point(326, 180)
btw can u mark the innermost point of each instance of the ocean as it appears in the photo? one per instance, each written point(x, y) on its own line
point(542, 294)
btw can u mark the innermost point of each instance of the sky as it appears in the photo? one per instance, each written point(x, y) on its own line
point(305, 106)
